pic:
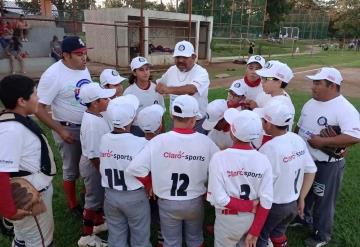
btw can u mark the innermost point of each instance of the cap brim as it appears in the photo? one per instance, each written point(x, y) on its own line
point(107, 93)
point(122, 79)
point(314, 77)
point(207, 125)
point(80, 50)
point(230, 115)
point(264, 73)
point(181, 54)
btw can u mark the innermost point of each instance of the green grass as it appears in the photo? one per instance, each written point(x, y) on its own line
point(347, 218)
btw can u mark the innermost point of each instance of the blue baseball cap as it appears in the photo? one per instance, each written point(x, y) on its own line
point(73, 44)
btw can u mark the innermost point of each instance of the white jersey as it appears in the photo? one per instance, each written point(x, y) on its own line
point(239, 173)
point(92, 129)
point(251, 92)
point(197, 76)
point(146, 97)
point(59, 87)
point(316, 114)
point(117, 151)
point(21, 150)
point(265, 99)
point(290, 159)
point(178, 164)
point(221, 138)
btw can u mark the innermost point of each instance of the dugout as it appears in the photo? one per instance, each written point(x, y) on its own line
point(118, 44)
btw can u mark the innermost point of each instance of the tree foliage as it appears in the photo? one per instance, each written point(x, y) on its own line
point(276, 11)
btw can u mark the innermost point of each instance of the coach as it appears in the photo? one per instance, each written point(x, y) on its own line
point(186, 77)
point(59, 87)
point(326, 108)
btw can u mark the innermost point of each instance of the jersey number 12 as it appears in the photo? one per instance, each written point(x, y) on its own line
point(181, 191)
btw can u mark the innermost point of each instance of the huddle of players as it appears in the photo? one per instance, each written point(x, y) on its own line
point(257, 184)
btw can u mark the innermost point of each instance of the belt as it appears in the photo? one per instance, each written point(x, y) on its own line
point(64, 123)
point(229, 212)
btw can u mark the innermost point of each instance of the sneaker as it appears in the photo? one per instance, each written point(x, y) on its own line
point(91, 241)
point(100, 228)
point(300, 222)
point(77, 211)
point(315, 242)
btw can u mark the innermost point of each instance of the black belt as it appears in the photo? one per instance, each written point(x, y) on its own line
point(64, 123)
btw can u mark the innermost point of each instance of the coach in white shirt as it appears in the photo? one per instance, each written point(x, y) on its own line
point(186, 77)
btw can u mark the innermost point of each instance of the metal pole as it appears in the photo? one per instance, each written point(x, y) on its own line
point(189, 10)
point(116, 47)
point(141, 29)
point(212, 7)
point(265, 14)
point(74, 15)
point(231, 20)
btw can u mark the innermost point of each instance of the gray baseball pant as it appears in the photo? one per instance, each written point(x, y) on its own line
point(94, 196)
point(321, 201)
point(124, 211)
point(178, 215)
point(230, 230)
point(280, 216)
point(70, 153)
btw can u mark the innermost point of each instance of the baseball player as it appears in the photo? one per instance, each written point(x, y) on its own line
point(252, 81)
point(27, 155)
point(275, 78)
point(327, 107)
point(186, 77)
point(110, 78)
point(126, 203)
point(236, 95)
point(143, 88)
point(219, 129)
point(293, 172)
point(59, 87)
point(150, 122)
point(178, 161)
point(93, 126)
point(240, 184)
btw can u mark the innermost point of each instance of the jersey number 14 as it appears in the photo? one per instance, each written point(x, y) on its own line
point(115, 178)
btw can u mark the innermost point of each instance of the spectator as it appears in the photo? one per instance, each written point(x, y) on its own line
point(22, 28)
point(6, 33)
point(13, 51)
point(358, 44)
point(55, 47)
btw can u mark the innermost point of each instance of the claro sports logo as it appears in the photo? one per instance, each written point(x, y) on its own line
point(110, 154)
point(293, 156)
point(181, 155)
point(244, 173)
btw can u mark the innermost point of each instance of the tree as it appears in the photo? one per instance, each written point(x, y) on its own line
point(276, 10)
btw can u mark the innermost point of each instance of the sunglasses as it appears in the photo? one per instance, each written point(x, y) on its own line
point(270, 79)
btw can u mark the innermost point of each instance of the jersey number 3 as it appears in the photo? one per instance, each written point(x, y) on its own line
point(117, 176)
point(181, 191)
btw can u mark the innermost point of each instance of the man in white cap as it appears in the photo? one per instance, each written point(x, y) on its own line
point(252, 81)
point(186, 77)
point(110, 78)
point(126, 205)
point(178, 161)
point(326, 108)
point(240, 184)
point(219, 129)
point(293, 172)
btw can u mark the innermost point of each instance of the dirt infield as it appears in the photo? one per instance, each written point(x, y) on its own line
point(350, 87)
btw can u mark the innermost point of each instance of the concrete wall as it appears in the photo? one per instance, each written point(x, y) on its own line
point(103, 40)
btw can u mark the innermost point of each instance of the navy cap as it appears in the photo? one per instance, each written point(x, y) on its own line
point(73, 44)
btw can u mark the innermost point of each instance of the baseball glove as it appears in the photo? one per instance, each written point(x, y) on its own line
point(334, 152)
point(26, 197)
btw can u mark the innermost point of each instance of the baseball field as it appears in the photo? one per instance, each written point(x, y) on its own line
point(347, 218)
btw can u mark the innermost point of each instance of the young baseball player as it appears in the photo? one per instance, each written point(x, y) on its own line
point(252, 81)
point(110, 78)
point(240, 184)
point(143, 88)
point(219, 129)
point(178, 161)
point(236, 95)
point(126, 203)
point(293, 172)
point(93, 126)
point(25, 153)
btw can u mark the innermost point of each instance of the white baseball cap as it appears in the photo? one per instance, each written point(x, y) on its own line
point(214, 113)
point(110, 76)
point(276, 69)
point(183, 49)
point(185, 106)
point(150, 118)
point(138, 62)
point(245, 125)
point(256, 59)
point(327, 73)
point(277, 113)
point(122, 110)
point(92, 91)
point(238, 88)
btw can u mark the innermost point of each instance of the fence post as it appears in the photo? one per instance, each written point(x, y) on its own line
point(116, 47)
